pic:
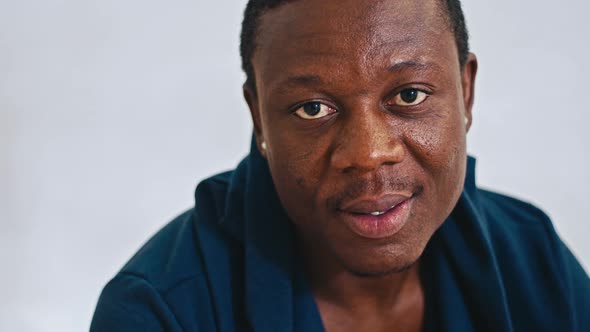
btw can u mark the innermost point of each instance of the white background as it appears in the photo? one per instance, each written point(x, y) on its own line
point(111, 111)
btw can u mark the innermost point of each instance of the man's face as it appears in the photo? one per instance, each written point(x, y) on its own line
point(363, 107)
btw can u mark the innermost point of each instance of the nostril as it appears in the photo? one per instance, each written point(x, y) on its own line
point(348, 170)
point(351, 160)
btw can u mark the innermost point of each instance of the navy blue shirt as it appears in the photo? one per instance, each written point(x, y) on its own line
point(229, 264)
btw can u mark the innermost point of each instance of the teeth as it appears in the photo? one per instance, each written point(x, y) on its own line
point(378, 213)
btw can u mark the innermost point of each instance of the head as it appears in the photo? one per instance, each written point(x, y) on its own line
point(359, 106)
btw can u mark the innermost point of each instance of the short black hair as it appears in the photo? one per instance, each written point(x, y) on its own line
point(255, 9)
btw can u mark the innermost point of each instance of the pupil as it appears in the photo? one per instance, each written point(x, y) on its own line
point(409, 96)
point(312, 109)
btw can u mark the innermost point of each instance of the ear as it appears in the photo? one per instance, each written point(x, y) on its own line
point(252, 101)
point(468, 84)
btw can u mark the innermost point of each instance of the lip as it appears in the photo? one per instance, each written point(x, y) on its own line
point(366, 205)
point(394, 212)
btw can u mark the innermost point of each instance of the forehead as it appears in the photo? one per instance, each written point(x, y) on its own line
point(356, 36)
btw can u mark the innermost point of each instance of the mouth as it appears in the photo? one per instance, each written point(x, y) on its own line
point(377, 212)
point(377, 218)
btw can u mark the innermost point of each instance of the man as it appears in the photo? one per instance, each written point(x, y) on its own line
point(356, 209)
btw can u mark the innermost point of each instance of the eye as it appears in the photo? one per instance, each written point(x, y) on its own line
point(314, 110)
point(410, 97)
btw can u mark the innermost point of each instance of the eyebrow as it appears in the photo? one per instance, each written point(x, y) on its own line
point(302, 80)
point(297, 81)
point(410, 64)
point(315, 80)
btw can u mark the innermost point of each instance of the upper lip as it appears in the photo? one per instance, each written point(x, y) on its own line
point(371, 204)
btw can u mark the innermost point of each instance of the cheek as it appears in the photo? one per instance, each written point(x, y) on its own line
point(288, 172)
point(295, 165)
point(295, 173)
point(298, 160)
point(439, 146)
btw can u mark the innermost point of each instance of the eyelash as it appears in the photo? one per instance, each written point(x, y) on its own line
point(294, 109)
point(427, 94)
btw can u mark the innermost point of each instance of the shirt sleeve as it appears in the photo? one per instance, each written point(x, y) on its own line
point(129, 303)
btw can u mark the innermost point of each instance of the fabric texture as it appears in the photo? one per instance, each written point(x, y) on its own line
point(229, 264)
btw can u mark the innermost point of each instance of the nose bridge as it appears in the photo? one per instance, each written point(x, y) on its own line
point(367, 140)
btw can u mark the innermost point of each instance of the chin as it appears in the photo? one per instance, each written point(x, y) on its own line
point(385, 261)
point(377, 272)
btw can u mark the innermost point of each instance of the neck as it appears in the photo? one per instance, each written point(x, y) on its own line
point(336, 287)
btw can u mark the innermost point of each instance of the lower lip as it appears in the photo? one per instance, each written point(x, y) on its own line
point(382, 226)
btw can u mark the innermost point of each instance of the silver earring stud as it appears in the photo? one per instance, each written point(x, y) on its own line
point(263, 145)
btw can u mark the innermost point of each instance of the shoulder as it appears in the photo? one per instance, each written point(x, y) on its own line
point(165, 281)
point(511, 210)
point(521, 230)
point(518, 229)
point(161, 260)
point(172, 255)
point(535, 264)
point(512, 222)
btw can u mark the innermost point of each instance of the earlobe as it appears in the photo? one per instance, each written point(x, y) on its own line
point(468, 85)
point(252, 101)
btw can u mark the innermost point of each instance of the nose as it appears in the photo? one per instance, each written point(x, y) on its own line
point(367, 141)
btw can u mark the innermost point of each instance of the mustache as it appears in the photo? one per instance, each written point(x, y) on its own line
point(373, 187)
